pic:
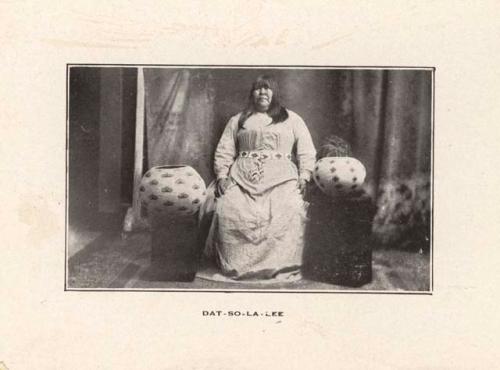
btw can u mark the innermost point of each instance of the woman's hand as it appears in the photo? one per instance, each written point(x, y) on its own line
point(222, 185)
point(302, 186)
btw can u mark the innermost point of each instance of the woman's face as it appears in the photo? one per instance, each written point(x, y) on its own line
point(262, 98)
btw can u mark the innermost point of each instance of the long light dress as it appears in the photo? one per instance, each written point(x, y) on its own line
point(257, 231)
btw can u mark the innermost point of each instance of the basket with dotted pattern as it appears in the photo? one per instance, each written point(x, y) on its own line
point(172, 191)
point(339, 175)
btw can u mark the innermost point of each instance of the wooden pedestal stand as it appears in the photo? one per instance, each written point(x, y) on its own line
point(338, 249)
point(175, 248)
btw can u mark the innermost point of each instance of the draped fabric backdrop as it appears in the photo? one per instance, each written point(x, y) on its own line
point(387, 118)
point(179, 118)
point(385, 115)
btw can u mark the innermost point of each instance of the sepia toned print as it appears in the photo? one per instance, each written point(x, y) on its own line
point(249, 178)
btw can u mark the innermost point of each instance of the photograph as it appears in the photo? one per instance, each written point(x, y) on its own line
point(214, 178)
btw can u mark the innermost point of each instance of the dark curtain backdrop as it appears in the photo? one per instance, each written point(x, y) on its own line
point(101, 132)
point(385, 115)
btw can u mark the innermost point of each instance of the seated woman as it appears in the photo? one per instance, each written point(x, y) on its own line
point(257, 231)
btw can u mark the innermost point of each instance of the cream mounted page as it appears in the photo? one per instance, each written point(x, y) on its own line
point(185, 181)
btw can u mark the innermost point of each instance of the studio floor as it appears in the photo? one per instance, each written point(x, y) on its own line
point(108, 260)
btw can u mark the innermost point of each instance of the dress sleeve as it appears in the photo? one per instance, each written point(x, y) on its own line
point(225, 153)
point(306, 152)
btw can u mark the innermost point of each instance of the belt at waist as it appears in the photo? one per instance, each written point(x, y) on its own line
point(264, 154)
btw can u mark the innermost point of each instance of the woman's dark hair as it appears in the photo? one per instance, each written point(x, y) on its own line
point(276, 111)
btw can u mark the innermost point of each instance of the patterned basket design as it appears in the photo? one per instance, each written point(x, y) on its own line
point(265, 154)
point(339, 175)
point(172, 191)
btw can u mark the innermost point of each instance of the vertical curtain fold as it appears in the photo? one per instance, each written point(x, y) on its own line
point(368, 126)
point(179, 118)
point(166, 93)
point(403, 196)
